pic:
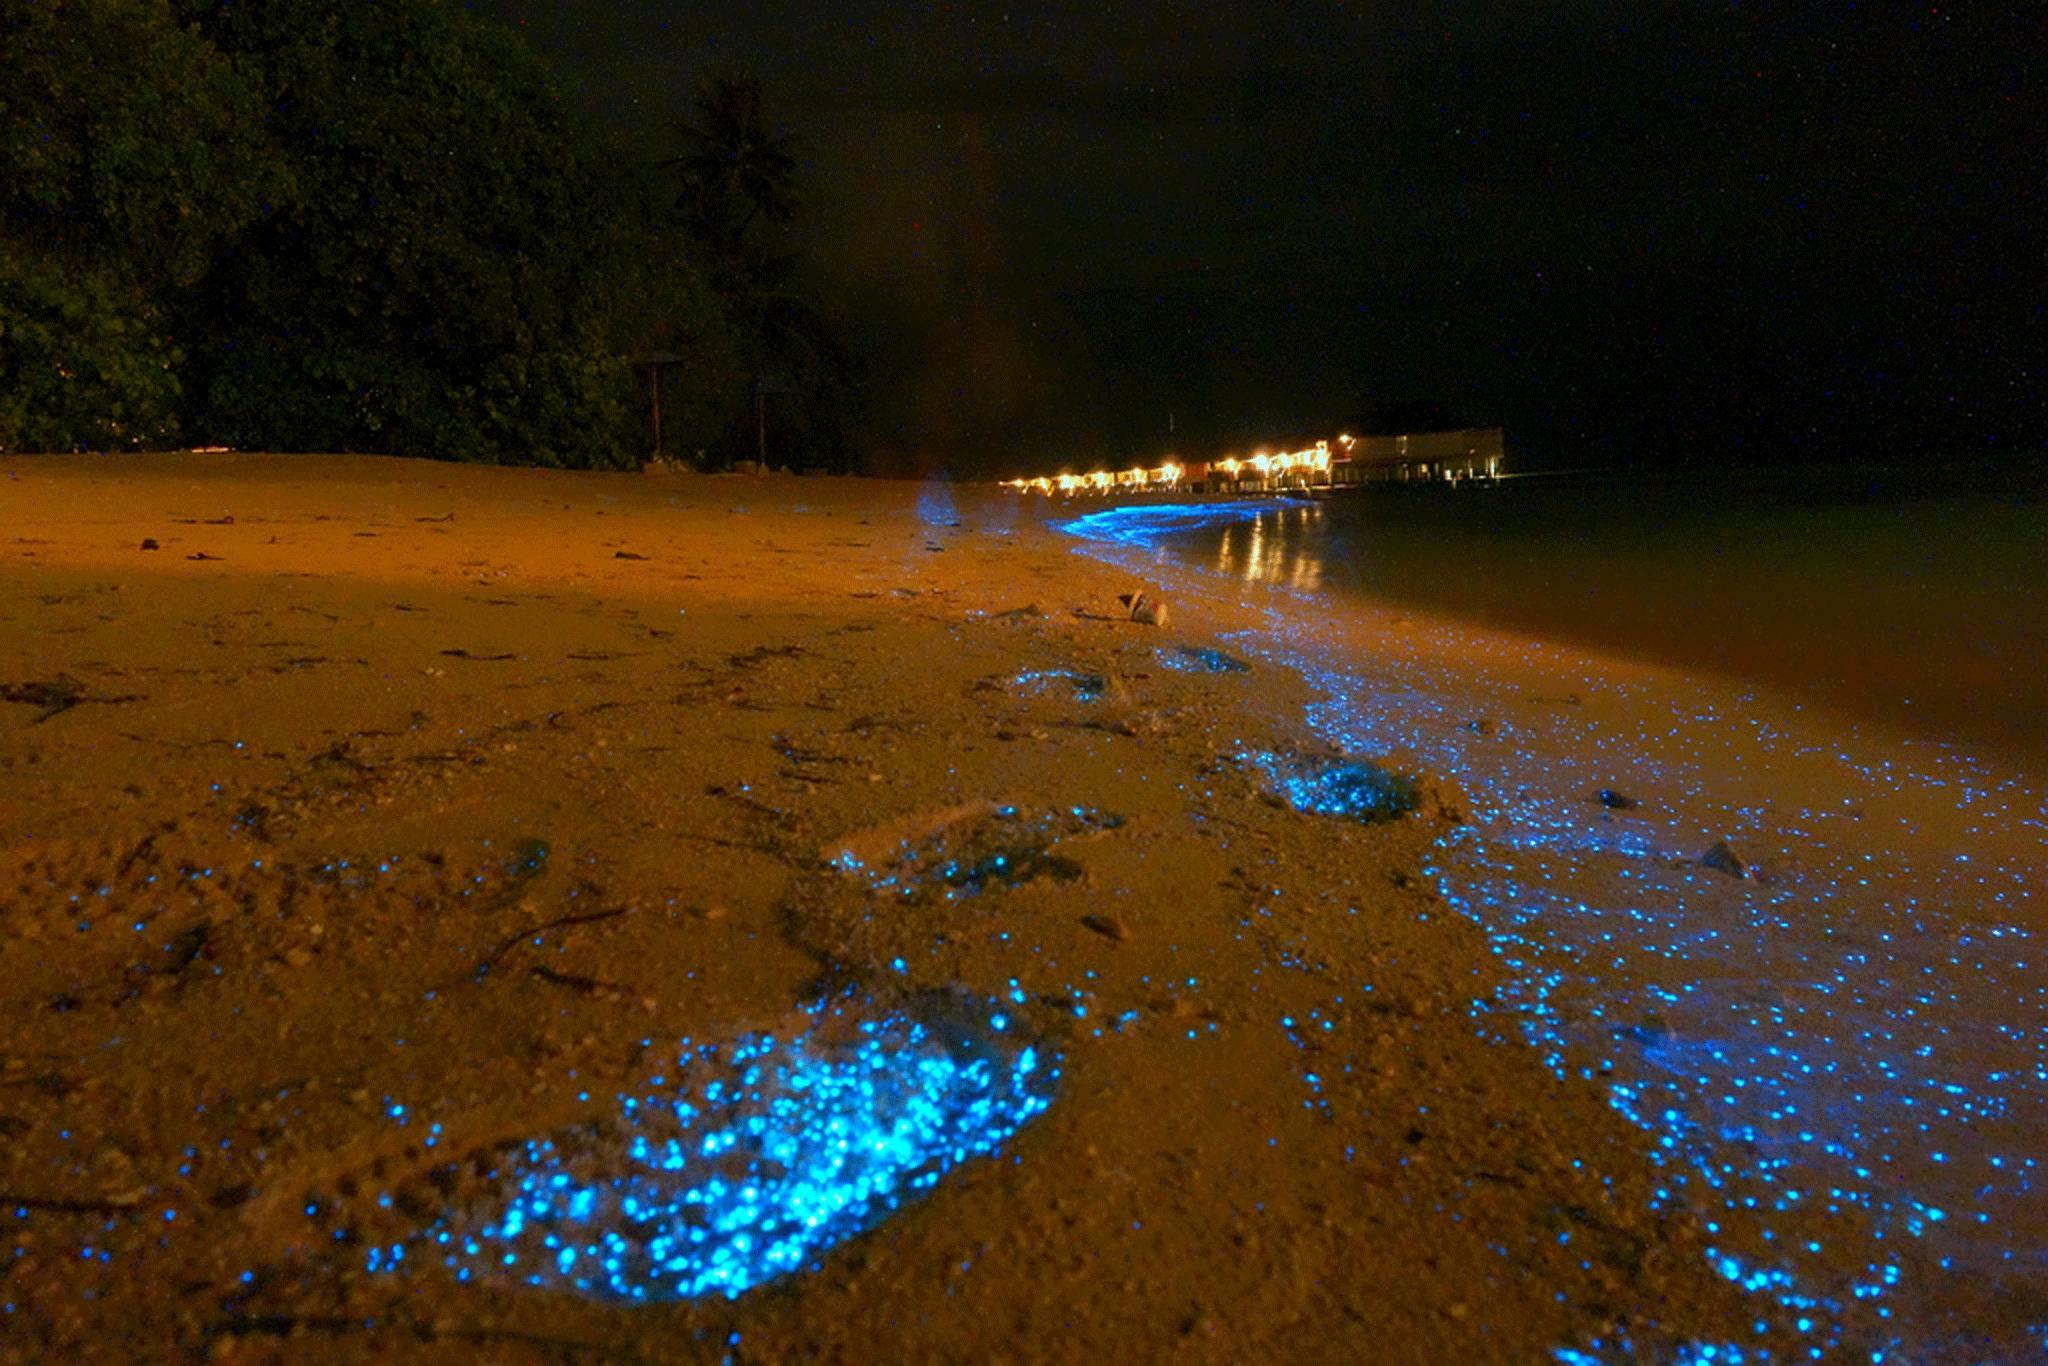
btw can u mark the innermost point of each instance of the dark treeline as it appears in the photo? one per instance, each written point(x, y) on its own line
point(328, 225)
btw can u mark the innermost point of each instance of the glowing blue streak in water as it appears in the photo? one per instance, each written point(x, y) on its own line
point(1150, 524)
point(753, 1160)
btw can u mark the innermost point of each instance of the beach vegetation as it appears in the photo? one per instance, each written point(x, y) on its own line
point(304, 225)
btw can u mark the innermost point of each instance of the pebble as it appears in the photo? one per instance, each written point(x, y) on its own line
point(1722, 859)
point(1107, 926)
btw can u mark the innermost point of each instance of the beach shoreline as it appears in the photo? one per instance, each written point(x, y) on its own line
point(385, 784)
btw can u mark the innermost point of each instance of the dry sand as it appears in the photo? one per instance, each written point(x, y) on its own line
point(269, 794)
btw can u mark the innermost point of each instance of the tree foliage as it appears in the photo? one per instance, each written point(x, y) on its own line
point(735, 169)
point(432, 285)
point(130, 150)
point(331, 225)
point(736, 178)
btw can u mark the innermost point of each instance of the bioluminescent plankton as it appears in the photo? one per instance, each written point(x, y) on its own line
point(744, 1161)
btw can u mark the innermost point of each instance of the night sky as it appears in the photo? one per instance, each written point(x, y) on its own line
point(1632, 230)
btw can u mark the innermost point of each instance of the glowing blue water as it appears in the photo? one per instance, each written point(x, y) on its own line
point(747, 1161)
point(1148, 526)
point(1840, 1062)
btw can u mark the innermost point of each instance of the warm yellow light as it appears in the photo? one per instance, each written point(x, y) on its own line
point(1310, 461)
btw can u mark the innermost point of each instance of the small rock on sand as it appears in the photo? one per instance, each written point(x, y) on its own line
point(1108, 926)
point(1722, 859)
point(1615, 801)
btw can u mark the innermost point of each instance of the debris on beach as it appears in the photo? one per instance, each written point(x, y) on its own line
point(1616, 801)
point(1108, 926)
point(59, 694)
point(1143, 610)
point(56, 696)
point(1722, 859)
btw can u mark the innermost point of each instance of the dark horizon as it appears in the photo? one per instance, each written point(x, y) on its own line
point(1647, 232)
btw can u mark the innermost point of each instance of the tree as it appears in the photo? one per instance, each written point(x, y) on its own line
point(737, 174)
point(434, 284)
point(735, 170)
point(329, 225)
point(129, 151)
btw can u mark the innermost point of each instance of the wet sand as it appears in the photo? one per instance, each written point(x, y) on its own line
point(370, 842)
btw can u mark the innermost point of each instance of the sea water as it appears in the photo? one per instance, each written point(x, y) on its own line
point(1913, 597)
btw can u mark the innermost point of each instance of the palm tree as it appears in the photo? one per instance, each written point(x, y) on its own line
point(735, 169)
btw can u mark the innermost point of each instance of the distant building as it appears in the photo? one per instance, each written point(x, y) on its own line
point(1469, 453)
point(1453, 457)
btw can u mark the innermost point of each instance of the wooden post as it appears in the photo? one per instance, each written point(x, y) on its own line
point(654, 378)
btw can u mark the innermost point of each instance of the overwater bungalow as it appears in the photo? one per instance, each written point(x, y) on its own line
point(1466, 454)
point(1471, 453)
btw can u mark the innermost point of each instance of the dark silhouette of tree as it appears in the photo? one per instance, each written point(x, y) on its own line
point(433, 284)
point(130, 151)
point(736, 174)
point(328, 225)
point(735, 169)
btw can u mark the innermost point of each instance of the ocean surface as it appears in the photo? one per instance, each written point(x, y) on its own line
point(1917, 598)
point(1781, 903)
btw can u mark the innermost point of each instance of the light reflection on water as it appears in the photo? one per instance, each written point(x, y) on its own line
point(1924, 608)
point(1840, 1059)
point(1274, 547)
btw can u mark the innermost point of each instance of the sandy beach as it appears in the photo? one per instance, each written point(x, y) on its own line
point(387, 845)
point(384, 815)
